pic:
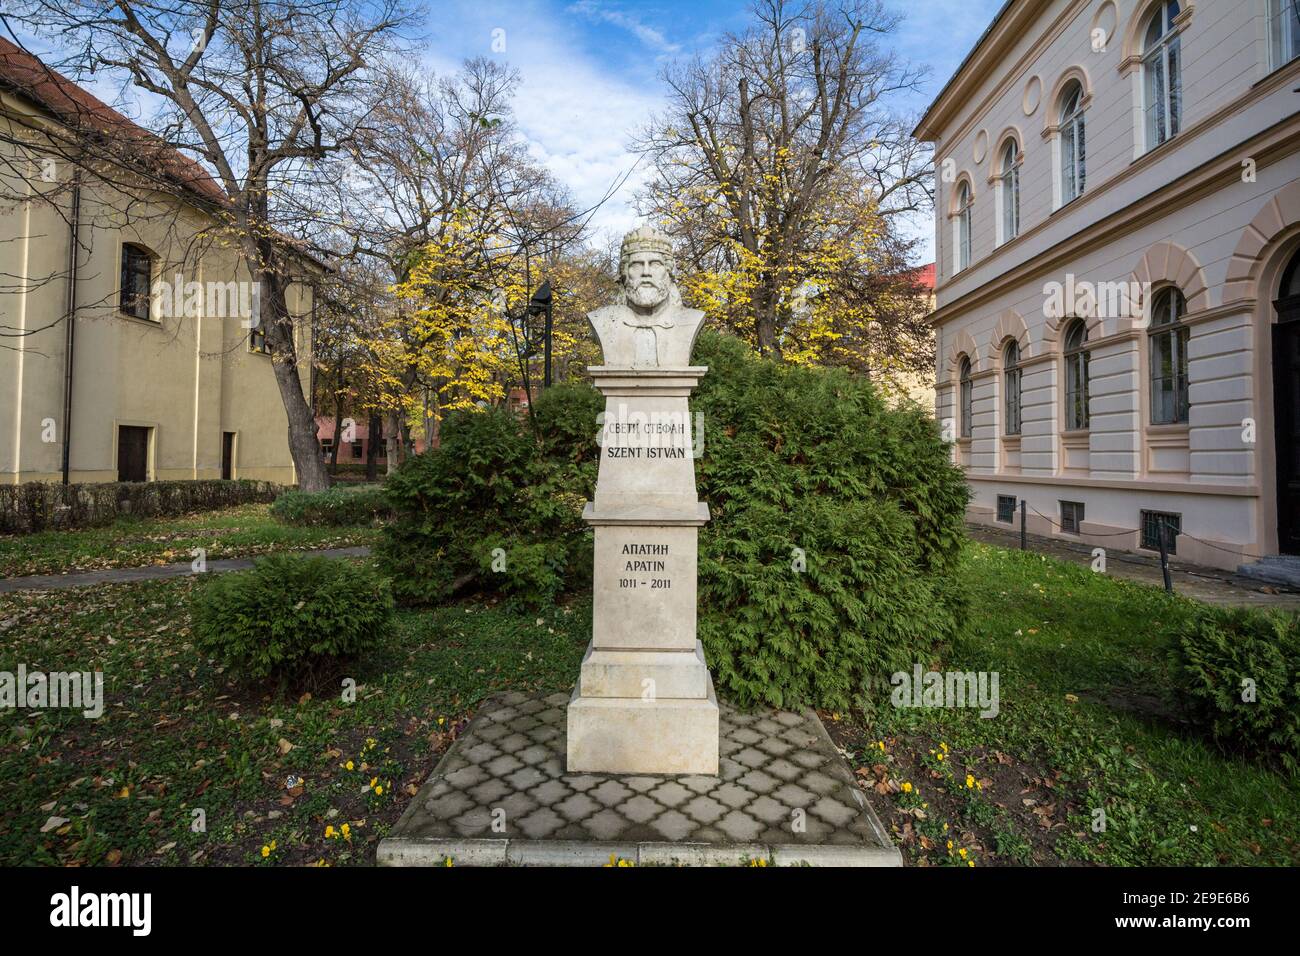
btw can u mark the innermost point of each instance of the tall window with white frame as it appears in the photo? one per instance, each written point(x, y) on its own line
point(1162, 75)
point(963, 226)
point(1011, 387)
point(1076, 376)
point(1283, 31)
point(1168, 339)
point(1010, 191)
point(1074, 167)
point(965, 389)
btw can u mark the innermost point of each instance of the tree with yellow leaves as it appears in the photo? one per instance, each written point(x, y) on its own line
point(784, 177)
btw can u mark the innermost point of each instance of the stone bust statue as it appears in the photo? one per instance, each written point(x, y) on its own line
point(647, 326)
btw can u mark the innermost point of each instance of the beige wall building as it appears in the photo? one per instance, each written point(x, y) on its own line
point(154, 379)
point(1118, 295)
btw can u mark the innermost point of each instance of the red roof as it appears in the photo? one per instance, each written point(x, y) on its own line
point(925, 275)
point(87, 114)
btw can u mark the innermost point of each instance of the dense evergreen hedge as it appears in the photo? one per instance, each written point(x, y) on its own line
point(830, 559)
point(1239, 671)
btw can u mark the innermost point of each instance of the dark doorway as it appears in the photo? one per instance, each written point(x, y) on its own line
point(132, 453)
point(1286, 408)
point(227, 455)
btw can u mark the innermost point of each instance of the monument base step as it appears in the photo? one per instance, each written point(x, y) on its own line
point(662, 735)
point(644, 674)
point(501, 796)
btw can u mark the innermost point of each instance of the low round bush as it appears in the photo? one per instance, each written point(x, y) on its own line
point(291, 616)
point(1240, 673)
point(340, 505)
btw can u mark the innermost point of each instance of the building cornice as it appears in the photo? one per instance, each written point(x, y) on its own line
point(1265, 148)
point(1132, 484)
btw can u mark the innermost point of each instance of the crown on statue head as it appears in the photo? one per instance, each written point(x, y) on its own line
point(645, 239)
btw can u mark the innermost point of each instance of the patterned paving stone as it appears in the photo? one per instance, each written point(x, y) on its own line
point(673, 826)
point(670, 794)
point(640, 809)
point(577, 806)
point(511, 761)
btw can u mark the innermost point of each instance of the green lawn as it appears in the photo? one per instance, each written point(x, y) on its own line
point(130, 542)
point(1086, 722)
point(178, 734)
point(1089, 721)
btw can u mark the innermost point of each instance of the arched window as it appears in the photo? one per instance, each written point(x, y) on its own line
point(1074, 173)
point(1161, 75)
point(965, 386)
point(1283, 31)
point(1168, 340)
point(1010, 192)
point(1290, 287)
point(137, 277)
point(1011, 386)
point(1076, 376)
point(963, 225)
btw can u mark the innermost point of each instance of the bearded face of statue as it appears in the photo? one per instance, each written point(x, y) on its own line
point(646, 279)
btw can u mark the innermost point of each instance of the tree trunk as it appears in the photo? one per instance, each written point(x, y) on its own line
point(374, 429)
point(393, 438)
point(278, 325)
point(338, 434)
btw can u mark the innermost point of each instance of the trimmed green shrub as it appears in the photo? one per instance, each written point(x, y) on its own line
point(495, 505)
point(339, 505)
point(1240, 673)
point(291, 616)
point(829, 562)
point(837, 523)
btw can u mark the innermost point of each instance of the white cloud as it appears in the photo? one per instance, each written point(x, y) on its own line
point(578, 114)
point(648, 35)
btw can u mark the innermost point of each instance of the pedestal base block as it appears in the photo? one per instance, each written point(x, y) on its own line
point(663, 735)
point(644, 674)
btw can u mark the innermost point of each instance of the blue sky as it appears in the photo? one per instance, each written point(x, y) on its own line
point(590, 72)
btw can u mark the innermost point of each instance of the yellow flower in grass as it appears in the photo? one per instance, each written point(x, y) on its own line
point(329, 832)
point(970, 781)
point(970, 862)
point(373, 781)
point(944, 746)
point(448, 862)
point(346, 830)
point(949, 844)
point(379, 791)
point(349, 765)
point(266, 851)
point(907, 788)
point(962, 853)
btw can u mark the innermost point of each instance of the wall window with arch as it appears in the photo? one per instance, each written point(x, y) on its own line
point(1283, 32)
point(1073, 172)
point(1076, 375)
point(1168, 358)
point(961, 223)
point(1011, 387)
point(1009, 191)
point(134, 298)
point(965, 391)
point(1161, 75)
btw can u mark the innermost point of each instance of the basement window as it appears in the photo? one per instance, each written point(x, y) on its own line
point(1006, 508)
point(1071, 516)
point(1151, 524)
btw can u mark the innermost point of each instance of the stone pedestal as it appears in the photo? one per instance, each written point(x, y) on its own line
point(644, 701)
